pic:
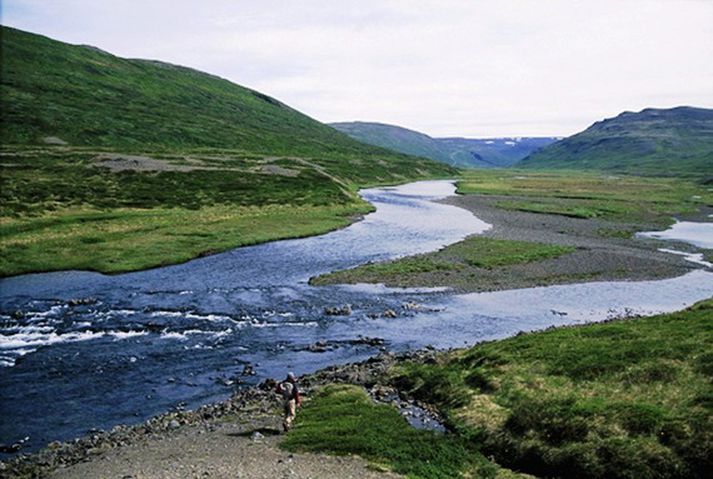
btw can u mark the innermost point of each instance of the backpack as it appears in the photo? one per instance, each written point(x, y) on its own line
point(288, 390)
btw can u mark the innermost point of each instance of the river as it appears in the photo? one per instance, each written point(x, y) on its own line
point(82, 350)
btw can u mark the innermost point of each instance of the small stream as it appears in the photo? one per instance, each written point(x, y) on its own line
point(82, 350)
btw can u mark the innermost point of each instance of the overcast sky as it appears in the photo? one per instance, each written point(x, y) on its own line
point(443, 67)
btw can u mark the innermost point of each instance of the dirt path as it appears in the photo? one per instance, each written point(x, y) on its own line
point(221, 450)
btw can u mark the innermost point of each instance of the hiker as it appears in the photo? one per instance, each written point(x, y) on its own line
point(291, 399)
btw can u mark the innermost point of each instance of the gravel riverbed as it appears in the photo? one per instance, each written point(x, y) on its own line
point(598, 257)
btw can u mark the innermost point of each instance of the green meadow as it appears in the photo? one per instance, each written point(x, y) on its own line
point(343, 420)
point(583, 194)
point(628, 398)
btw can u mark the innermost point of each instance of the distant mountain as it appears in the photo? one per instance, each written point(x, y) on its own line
point(675, 141)
point(491, 152)
point(56, 93)
point(461, 152)
point(394, 138)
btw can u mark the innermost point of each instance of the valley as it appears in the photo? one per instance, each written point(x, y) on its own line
point(172, 242)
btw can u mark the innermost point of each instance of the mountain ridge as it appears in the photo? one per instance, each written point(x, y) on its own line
point(455, 151)
point(653, 141)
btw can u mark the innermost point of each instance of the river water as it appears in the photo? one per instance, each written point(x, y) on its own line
point(696, 233)
point(82, 350)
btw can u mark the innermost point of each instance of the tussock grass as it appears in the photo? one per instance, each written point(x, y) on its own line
point(624, 399)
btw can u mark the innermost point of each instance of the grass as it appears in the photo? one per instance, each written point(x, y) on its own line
point(624, 399)
point(574, 209)
point(460, 259)
point(342, 420)
point(590, 195)
point(60, 211)
point(491, 253)
point(128, 239)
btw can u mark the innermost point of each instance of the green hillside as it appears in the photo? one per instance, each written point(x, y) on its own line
point(676, 141)
point(87, 97)
point(458, 152)
point(160, 163)
point(394, 138)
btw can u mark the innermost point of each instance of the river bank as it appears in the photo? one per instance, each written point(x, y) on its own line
point(236, 437)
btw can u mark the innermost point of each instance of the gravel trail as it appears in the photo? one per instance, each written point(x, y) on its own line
point(224, 450)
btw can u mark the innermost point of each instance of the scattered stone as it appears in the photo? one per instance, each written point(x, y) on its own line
point(381, 392)
point(53, 140)
point(81, 301)
point(321, 347)
point(345, 310)
point(368, 341)
point(411, 306)
point(268, 384)
point(389, 313)
point(245, 402)
point(224, 381)
point(256, 436)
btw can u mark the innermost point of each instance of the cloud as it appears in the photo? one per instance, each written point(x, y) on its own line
point(445, 67)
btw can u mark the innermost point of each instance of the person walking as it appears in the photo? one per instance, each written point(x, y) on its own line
point(291, 399)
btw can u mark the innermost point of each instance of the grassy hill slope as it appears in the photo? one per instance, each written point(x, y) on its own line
point(88, 97)
point(623, 399)
point(160, 163)
point(676, 141)
point(394, 138)
point(460, 152)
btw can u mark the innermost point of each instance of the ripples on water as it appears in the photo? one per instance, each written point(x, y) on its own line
point(141, 343)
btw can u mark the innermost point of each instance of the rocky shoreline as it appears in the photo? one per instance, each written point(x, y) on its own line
point(247, 406)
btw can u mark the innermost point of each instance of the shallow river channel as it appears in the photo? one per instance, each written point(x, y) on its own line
point(82, 350)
